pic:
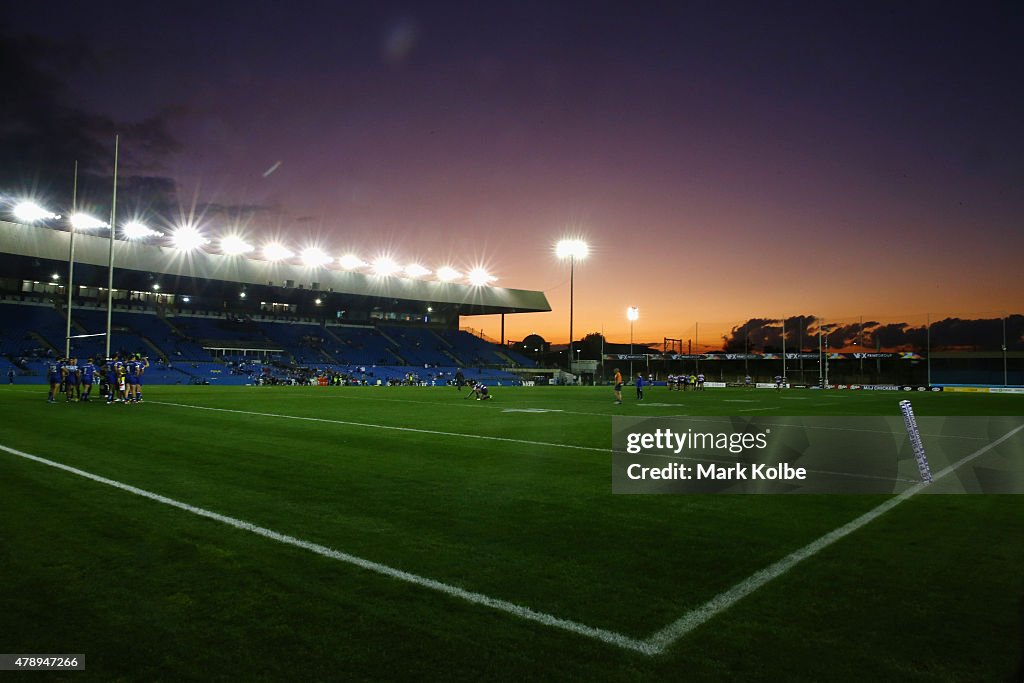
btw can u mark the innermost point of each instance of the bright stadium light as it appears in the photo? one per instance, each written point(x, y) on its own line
point(30, 212)
point(478, 277)
point(632, 313)
point(188, 238)
point(385, 267)
point(448, 274)
point(351, 262)
point(416, 270)
point(136, 230)
point(275, 251)
point(315, 257)
point(81, 221)
point(234, 245)
point(572, 248)
point(156, 287)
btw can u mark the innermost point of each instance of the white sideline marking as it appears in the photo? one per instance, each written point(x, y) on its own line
point(723, 601)
point(520, 611)
point(747, 410)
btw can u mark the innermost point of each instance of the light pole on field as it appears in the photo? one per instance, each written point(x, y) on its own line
point(633, 313)
point(571, 249)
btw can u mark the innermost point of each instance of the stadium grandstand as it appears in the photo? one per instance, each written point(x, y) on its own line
point(204, 317)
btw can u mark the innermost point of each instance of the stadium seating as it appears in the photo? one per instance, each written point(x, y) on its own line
point(420, 346)
point(31, 330)
point(34, 333)
point(360, 346)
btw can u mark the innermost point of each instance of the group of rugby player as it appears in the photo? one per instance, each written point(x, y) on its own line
point(685, 382)
point(120, 379)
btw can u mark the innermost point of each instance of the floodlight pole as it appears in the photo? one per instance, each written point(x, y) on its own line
point(696, 343)
point(783, 348)
point(1005, 374)
point(801, 349)
point(746, 352)
point(860, 343)
point(110, 262)
point(71, 261)
point(821, 365)
point(572, 276)
point(826, 359)
point(631, 321)
point(928, 348)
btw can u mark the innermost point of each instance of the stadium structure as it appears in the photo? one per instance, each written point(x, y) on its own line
point(205, 317)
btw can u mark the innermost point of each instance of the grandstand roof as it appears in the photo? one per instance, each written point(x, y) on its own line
point(51, 244)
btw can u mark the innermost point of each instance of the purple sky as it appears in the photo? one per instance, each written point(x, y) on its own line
point(725, 161)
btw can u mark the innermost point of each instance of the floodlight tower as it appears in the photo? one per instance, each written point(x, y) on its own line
point(571, 249)
point(633, 313)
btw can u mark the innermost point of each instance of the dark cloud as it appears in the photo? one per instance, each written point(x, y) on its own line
point(42, 136)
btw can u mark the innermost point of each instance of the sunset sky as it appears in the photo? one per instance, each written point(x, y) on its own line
point(724, 160)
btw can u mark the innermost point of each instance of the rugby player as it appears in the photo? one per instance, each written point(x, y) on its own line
point(88, 370)
point(617, 381)
point(54, 369)
point(71, 379)
point(133, 374)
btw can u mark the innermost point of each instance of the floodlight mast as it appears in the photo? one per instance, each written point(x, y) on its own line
point(632, 313)
point(571, 249)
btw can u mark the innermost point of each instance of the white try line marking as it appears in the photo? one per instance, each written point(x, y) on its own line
point(520, 611)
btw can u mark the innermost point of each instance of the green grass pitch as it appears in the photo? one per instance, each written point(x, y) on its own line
point(930, 591)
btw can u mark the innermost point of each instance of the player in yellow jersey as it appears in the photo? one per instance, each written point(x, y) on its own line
point(617, 381)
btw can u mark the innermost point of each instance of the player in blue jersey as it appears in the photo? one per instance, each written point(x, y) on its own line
point(88, 374)
point(133, 370)
point(144, 365)
point(130, 368)
point(112, 366)
point(72, 380)
point(54, 370)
